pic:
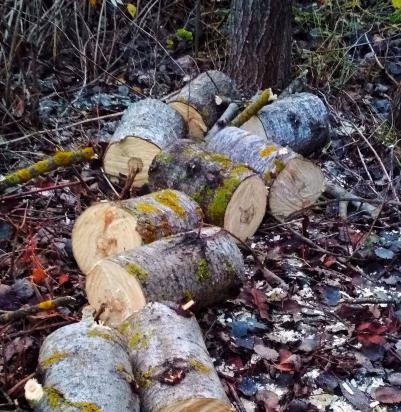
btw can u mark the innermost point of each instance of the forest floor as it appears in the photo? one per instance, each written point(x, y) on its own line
point(332, 341)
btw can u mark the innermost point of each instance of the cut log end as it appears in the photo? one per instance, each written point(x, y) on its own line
point(255, 126)
point(298, 186)
point(246, 208)
point(103, 230)
point(193, 119)
point(109, 287)
point(198, 405)
point(118, 155)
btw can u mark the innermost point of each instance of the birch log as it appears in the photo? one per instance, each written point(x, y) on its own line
point(172, 366)
point(295, 182)
point(146, 127)
point(196, 102)
point(85, 368)
point(299, 121)
point(203, 265)
point(230, 195)
point(109, 228)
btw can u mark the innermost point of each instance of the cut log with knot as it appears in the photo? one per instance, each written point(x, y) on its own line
point(146, 127)
point(204, 265)
point(172, 366)
point(294, 182)
point(200, 101)
point(299, 121)
point(109, 228)
point(231, 195)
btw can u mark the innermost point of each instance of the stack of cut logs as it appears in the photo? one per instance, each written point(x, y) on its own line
point(176, 244)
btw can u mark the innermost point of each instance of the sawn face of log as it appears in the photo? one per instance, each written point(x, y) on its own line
point(146, 127)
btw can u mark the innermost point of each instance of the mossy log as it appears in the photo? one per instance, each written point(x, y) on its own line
point(172, 366)
point(59, 159)
point(146, 127)
point(299, 121)
point(196, 101)
point(85, 368)
point(203, 265)
point(230, 195)
point(294, 182)
point(109, 228)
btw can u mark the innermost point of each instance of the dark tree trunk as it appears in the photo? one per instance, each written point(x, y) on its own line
point(260, 43)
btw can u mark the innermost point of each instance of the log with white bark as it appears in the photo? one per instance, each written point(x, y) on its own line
point(146, 127)
point(108, 228)
point(299, 121)
point(197, 104)
point(294, 182)
point(230, 195)
point(172, 366)
point(204, 265)
point(85, 367)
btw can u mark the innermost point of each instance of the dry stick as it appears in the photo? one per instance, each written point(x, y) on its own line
point(252, 109)
point(43, 166)
point(378, 159)
point(135, 166)
point(7, 316)
point(43, 189)
point(339, 192)
point(224, 119)
point(268, 274)
point(57, 129)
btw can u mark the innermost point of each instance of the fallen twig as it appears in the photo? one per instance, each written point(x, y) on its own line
point(6, 316)
point(224, 119)
point(59, 159)
point(251, 110)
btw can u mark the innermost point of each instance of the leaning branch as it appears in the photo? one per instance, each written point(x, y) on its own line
point(59, 159)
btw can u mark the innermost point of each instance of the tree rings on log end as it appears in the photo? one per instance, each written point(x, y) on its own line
point(198, 405)
point(196, 126)
point(246, 208)
point(109, 286)
point(109, 228)
point(117, 156)
point(296, 187)
point(102, 230)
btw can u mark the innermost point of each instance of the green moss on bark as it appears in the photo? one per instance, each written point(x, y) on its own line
point(53, 358)
point(202, 270)
point(137, 271)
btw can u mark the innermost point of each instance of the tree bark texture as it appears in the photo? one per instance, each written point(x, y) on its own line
point(172, 366)
point(86, 367)
point(109, 228)
point(299, 121)
point(231, 195)
point(204, 265)
point(196, 101)
point(260, 44)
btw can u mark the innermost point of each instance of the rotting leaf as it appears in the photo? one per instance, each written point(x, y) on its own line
point(247, 387)
point(288, 361)
point(388, 394)
point(260, 301)
point(265, 352)
point(369, 333)
point(355, 396)
point(269, 399)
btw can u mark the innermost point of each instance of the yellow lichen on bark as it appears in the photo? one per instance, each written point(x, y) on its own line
point(43, 166)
